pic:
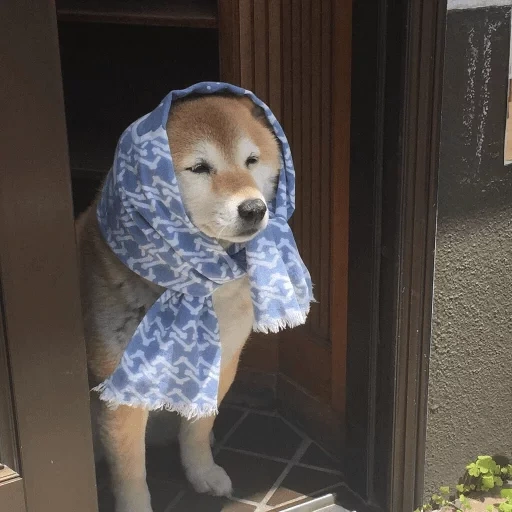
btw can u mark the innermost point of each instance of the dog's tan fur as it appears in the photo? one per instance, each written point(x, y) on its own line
point(231, 137)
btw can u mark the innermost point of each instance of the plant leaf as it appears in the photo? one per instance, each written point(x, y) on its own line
point(473, 469)
point(487, 482)
point(486, 464)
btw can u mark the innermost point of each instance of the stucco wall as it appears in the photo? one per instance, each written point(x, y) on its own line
point(470, 387)
point(474, 4)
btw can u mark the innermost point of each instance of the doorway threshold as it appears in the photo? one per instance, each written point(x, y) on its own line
point(323, 504)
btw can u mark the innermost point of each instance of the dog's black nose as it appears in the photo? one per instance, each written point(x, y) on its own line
point(252, 210)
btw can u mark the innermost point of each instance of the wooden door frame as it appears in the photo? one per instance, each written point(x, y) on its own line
point(397, 64)
point(397, 69)
point(42, 320)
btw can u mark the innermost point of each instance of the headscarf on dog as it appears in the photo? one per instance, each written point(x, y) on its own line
point(173, 359)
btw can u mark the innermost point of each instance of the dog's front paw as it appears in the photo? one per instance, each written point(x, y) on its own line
point(213, 480)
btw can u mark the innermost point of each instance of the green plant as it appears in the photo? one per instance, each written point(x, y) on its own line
point(482, 475)
point(446, 499)
point(506, 506)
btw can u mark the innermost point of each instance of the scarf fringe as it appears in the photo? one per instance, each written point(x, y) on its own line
point(275, 325)
point(190, 411)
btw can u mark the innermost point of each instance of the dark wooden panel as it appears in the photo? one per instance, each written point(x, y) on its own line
point(275, 60)
point(367, 131)
point(340, 164)
point(171, 13)
point(305, 170)
point(246, 13)
point(286, 76)
point(306, 361)
point(311, 145)
point(286, 54)
point(307, 411)
point(39, 269)
point(327, 143)
point(229, 41)
point(319, 314)
point(260, 32)
point(307, 47)
point(294, 131)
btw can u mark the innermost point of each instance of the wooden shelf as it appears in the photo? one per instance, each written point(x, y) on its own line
point(171, 13)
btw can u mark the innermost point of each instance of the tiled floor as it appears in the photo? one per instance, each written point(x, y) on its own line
point(271, 463)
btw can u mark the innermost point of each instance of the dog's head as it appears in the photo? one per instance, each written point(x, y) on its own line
point(226, 160)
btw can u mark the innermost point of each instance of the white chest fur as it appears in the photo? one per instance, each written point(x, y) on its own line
point(233, 306)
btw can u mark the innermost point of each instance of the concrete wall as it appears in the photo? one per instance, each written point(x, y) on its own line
point(474, 4)
point(470, 387)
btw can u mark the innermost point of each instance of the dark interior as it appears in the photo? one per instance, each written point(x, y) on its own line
point(110, 79)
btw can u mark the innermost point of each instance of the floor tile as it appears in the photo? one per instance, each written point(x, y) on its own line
point(347, 499)
point(268, 435)
point(253, 389)
point(315, 456)
point(192, 502)
point(252, 476)
point(163, 462)
point(225, 421)
point(162, 494)
point(302, 482)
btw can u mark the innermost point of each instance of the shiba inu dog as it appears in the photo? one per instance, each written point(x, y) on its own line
point(227, 161)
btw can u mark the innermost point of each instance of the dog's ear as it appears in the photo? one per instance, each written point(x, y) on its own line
point(256, 111)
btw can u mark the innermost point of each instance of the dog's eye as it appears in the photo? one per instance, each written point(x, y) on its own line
point(200, 168)
point(253, 159)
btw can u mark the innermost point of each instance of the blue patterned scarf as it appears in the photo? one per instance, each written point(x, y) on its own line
point(173, 359)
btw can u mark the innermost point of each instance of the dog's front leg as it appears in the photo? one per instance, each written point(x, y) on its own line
point(123, 435)
point(195, 445)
